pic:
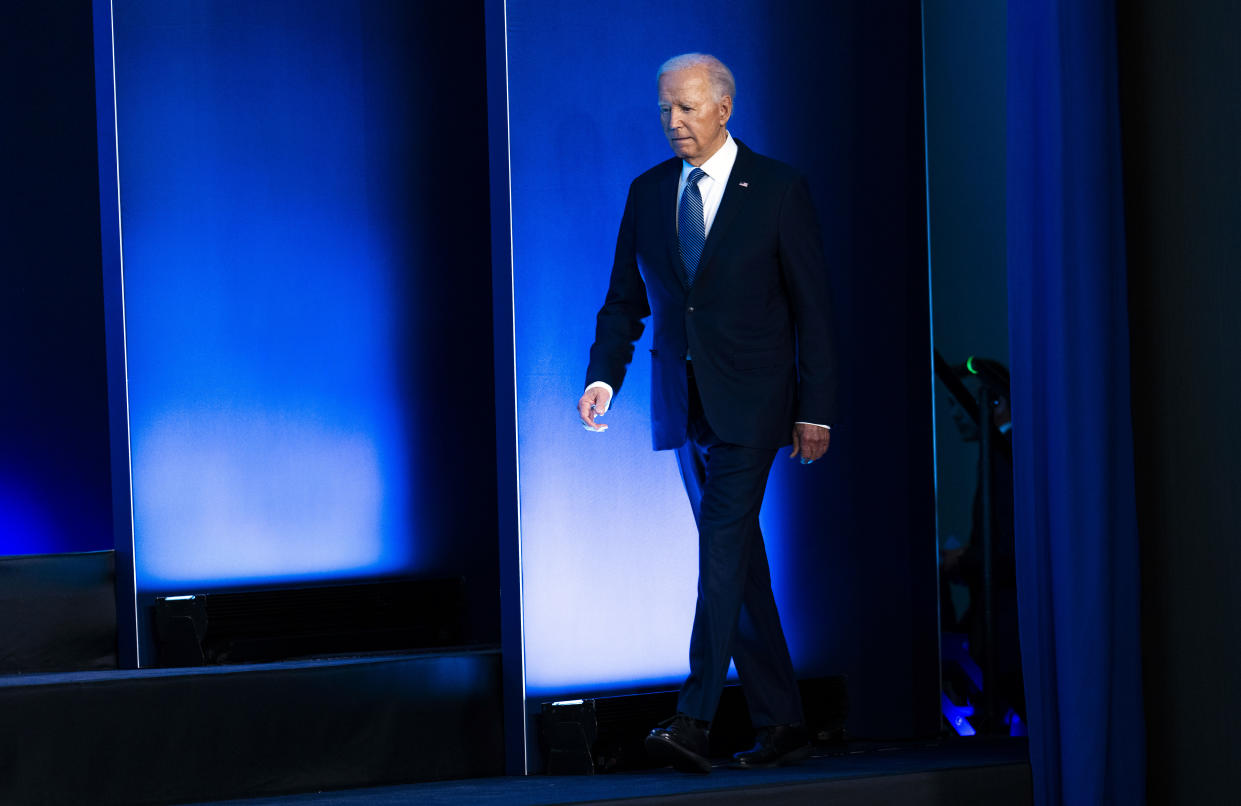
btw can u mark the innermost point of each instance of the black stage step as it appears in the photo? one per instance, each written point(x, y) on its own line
point(57, 613)
point(157, 736)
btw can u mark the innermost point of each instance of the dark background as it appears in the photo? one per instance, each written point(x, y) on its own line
point(1180, 80)
point(55, 494)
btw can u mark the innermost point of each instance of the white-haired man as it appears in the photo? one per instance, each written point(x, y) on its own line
point(721, 248)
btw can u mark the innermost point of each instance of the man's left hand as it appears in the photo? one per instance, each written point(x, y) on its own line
point(810, 441)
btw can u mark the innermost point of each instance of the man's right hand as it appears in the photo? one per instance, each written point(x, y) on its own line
point(594, 403)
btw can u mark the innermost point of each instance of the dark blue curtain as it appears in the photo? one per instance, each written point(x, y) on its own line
point(1077, 547)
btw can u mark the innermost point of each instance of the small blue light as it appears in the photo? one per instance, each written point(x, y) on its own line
point(1016, 725)
point(956, 715)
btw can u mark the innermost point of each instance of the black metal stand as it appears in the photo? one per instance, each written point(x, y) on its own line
point(992, 445)
point(987, 529)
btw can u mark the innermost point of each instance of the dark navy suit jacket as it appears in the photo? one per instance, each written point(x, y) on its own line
point(756, 322)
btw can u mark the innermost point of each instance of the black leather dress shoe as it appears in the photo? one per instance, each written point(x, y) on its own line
point(681, 742)
point(777, 745)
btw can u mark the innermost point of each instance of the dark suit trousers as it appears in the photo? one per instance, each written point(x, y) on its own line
point(736, 615)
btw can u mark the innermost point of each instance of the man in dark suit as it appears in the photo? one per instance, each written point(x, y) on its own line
point(721, 248)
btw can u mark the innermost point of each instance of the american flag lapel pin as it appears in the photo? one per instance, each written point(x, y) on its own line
point(744, 184)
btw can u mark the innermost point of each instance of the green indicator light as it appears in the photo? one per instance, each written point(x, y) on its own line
point(969, 364)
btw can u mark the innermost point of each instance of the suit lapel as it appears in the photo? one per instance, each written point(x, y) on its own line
point(731, 203)
point(667, 203)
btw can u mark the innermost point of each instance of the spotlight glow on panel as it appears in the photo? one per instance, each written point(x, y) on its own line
point(260, 494)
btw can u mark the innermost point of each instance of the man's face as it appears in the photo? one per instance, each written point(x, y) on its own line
point(693, 120)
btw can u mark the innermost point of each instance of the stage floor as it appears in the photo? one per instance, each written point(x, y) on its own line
point(951, 771)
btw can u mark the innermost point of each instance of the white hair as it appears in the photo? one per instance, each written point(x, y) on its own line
point(718, 74)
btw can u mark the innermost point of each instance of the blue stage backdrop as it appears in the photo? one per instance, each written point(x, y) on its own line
point(608, 548)
point(307, 292)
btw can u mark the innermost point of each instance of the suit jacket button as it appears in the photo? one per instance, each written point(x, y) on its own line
point(691, 309)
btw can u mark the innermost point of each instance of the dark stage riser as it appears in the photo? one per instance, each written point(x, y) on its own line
point(947, 772)
point(179, 735)
point(57, 613)
point(1003, 785)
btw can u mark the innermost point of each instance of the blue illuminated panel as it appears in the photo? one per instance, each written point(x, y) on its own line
point(608, 546)
point(271, 258)
point(609, 551)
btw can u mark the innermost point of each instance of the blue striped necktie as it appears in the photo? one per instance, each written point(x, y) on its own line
point(691, 229)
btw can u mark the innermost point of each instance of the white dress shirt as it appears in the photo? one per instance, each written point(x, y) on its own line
point(711, 186)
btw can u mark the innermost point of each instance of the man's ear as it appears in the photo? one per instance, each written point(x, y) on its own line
point(726, 109)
